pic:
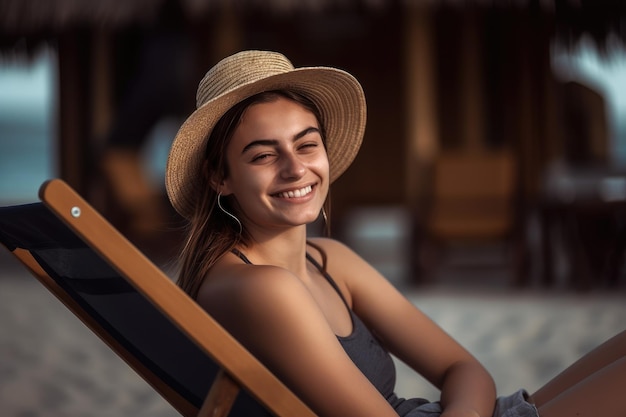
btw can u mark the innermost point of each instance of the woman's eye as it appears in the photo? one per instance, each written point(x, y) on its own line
point(309, 145)
point(261, 157)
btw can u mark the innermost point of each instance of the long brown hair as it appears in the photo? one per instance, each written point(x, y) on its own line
point(210, 232)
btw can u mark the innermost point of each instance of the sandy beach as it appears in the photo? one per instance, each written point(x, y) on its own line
point(51, 365)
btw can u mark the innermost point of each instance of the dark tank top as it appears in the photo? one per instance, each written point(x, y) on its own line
point(372, 359)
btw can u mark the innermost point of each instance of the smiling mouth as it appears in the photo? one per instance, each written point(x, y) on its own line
point(296, 193)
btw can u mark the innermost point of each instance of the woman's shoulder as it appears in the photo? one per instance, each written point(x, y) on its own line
point(347, 268)
point(233, 288)
point(339, 256)
point(331, 246)
point(257, 302)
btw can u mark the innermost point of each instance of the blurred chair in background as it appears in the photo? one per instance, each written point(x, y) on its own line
point(582, 213)
point(584, 196)
point(153, 72)
point(472, 203)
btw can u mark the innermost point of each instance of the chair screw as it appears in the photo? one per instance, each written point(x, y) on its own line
point(75, 211)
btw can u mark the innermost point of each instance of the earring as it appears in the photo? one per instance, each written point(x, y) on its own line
point(324, 216)
point(232, 216)
point(326, 223)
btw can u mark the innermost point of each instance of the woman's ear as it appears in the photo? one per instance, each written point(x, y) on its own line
point(220, 185)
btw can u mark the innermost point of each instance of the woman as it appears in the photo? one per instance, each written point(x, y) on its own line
point(249, 169)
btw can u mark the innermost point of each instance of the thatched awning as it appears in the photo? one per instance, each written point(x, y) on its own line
point(31, 16)
point(38, 19)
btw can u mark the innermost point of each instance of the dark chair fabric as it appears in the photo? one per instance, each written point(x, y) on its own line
point(114, 304)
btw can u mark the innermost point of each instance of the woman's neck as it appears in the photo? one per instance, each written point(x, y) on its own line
point(286, 250)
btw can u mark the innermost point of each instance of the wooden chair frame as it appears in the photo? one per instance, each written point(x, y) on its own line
point(238, 368)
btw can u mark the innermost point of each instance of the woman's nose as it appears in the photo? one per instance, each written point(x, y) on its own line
point(292, 166)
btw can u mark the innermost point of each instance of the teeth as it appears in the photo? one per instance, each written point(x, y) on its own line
point(296, 193)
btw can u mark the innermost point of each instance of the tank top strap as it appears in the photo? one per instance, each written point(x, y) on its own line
point(241, 256)
point(330, 280)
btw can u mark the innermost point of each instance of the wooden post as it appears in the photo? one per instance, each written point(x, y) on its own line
point(102, 97)
point(74, 107)
point(473, 126)
point(421, 101)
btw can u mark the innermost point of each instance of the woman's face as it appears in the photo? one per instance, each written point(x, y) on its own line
point(277, 165)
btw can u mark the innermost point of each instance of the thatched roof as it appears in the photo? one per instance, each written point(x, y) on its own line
point(30, 16)
point(37, 19)
point(36, 15)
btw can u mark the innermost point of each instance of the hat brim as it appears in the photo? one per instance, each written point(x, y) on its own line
point(337, 94)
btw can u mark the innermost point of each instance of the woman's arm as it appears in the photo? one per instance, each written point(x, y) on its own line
point(274, 316)
point(466, 387)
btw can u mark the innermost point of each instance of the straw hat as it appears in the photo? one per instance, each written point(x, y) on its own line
point(337, 94)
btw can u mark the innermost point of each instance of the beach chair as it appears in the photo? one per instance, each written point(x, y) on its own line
point(185, 355)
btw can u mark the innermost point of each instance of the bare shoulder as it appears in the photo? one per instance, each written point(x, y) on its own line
point(341, 259)
point(335, 250)
point(238, 291)
point(347, 268)
point(328, 243)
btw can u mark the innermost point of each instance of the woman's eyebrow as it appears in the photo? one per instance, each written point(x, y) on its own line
point(259, 142)
point(305, 132)
point(274, 142)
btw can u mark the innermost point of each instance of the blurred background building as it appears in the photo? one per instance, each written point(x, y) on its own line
point(491, 186)
point(489, 122)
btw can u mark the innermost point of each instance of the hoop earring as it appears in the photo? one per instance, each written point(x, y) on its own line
point(232, 216)
point(326, 223)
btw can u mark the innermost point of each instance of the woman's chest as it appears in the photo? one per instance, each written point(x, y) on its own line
point(332, 305)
